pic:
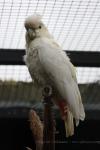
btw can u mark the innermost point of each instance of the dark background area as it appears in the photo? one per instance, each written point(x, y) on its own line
point(17, 100)
point(15, 134)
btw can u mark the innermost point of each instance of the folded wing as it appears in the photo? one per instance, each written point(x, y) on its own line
point(58, 66)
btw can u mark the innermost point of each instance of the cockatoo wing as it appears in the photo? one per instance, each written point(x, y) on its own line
point(62, 73)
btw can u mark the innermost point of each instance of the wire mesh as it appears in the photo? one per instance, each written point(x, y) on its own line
point(14, 73)
point(21, 73)
point(75, 24)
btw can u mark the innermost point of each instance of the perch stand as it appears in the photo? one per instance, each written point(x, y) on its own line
point(49, 124)
point(44, 134)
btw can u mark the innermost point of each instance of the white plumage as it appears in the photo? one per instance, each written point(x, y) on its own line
point(49, 65)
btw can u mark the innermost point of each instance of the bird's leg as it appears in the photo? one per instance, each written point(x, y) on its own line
point(62, 104)
point(49, 125)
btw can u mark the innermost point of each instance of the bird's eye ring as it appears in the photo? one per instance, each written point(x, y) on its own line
point(40, 27)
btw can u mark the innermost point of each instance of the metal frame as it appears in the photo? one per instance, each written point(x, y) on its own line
point(78, 58)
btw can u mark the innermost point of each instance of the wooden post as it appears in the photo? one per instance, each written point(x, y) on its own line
point(49, 124)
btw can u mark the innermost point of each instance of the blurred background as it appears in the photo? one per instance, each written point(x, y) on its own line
point(75, 24)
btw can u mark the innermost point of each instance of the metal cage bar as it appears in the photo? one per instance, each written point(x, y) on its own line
point(78, 58)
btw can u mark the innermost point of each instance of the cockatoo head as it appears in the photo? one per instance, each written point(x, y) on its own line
point(35, 27)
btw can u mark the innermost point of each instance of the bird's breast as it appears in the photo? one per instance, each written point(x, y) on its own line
point(35, 68)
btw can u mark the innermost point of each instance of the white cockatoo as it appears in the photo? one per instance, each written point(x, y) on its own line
point(49, 65)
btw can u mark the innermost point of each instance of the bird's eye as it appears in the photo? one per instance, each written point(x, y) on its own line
point(40, 27)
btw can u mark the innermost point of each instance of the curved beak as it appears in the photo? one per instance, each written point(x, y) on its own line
point(31, 33)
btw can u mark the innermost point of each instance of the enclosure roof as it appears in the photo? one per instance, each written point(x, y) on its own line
point(74, 23)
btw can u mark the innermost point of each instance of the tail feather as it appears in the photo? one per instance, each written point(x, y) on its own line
point(68, 115)
point(82, 113)
point(69, 124)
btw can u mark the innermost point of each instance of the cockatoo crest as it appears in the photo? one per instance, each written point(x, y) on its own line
point(33, 21)
point(35, 28)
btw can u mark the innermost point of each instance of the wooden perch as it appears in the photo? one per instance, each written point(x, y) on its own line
point(49, 127)
point(37, 129)
point(44, 136)
point(49, 124)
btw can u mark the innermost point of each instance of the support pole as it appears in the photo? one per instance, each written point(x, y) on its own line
point(49, 124)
